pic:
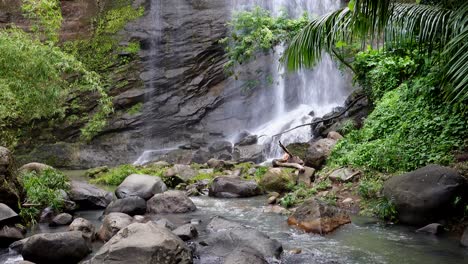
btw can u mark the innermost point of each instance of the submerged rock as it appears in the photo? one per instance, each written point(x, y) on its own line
point(233, 187)
point(112, 224)
point(143, 243)
point(164, 222)
point(140, 185)
point(425, 195)
point(433, 229)
point(170, 202)
point(130, 205)
point(65, 247)
point(219, 223)
point(88, 196)
point(318, 217)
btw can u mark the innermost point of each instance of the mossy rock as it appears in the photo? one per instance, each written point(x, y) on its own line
point(298, 149)
point(277, 180)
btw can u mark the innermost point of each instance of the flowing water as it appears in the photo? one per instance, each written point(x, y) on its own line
point(300, 96)
point(364, 241)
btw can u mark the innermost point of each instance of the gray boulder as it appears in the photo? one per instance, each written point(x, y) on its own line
point(464, 238)
point(425, 195)
point(10, 189)
point(143, 186)
point(253, 153)
point(245, 255)
point(233, 187)
point(170, 202)
point(318, 217)
point(223, 243)
point(183, 172)
point(201, 156)
point(186, 232)
point(220, 146)
point(318, 152)
point(9, 235)
point(34, 167)
point(88, 196)
point(144, 244)
point(432, 229)
point(7, 215)
point(61, 219)
point(248, 140)
point(130, 205)
point(65, 247)
point(112, 224)
point(85, 227)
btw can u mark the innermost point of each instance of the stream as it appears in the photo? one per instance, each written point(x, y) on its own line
point(365, 240)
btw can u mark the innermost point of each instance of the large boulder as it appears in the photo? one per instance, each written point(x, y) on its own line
point(88, 196)
point(85, 227)
point(112, 224)
point(34, 167)
point(11, 190)
point(318, 152)
point(181, 173)
point(245, 255)
point(253, 153)
point(247, 140)
point(144, 244)
point(201, 156)
point(464, 238)
point(220, 146)
point(318, 217)
point(233, 187)
point(170, 202)
point(425, 195)
point(130, 205)
point(143, 186)
point(223, 243)
point(7, 215)
point(9, 235)
point(65, 247)
point(277, 180)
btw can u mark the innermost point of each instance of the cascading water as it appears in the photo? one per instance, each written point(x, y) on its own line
point(298, 97)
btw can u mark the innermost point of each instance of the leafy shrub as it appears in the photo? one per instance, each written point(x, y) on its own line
point(43, 190)
point(380, 71)
point(35, 80)
point(408, 129)
point(369, 188)
point(258, 31)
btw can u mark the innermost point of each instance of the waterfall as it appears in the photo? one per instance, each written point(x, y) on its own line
point(300, 96)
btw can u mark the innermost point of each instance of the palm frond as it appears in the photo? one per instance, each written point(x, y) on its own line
point(431, 26)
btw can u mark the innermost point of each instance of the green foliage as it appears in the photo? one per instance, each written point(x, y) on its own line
point(441, 27)
point(370, 187)
point(258, 31)
point(379, 72)
point(135, 109)
point(47, 17)
point(100, 52)
point(260, 172)
point(382, 208)
point(43, 190)
point(117, 175)
point(410, 127)
point(35, 80)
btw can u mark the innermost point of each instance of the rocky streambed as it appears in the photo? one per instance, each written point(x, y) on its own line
point(209, 230)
